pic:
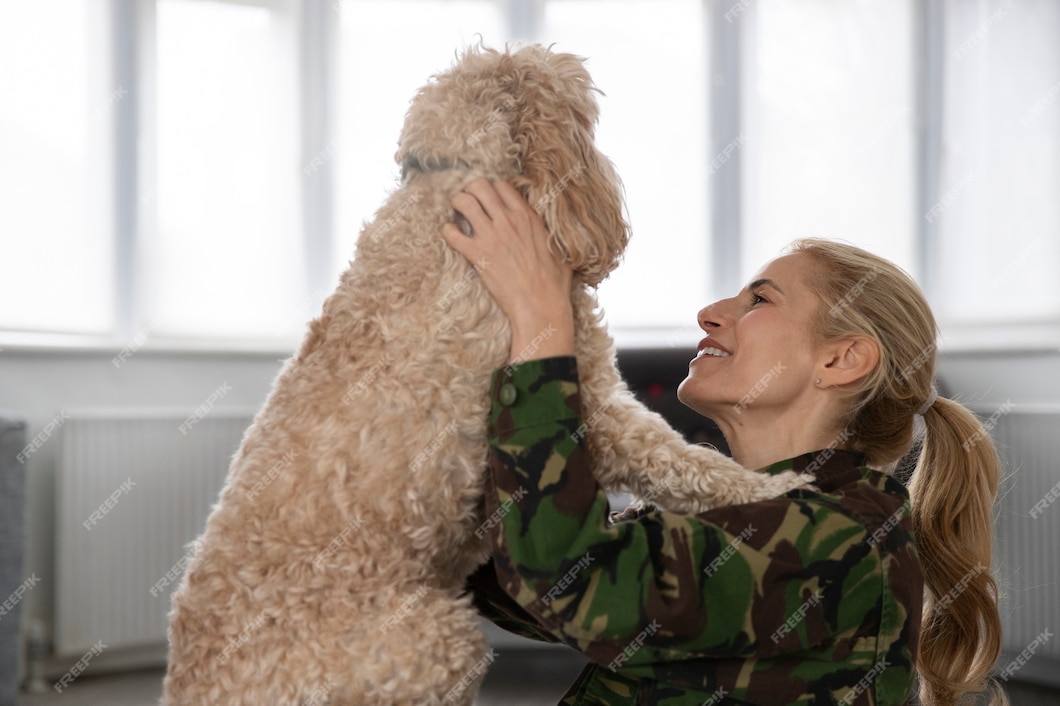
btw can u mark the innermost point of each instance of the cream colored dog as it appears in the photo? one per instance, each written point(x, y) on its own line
point(330, 572)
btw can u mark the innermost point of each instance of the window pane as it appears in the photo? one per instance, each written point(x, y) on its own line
point(829, 126)
point(650, 58)
point(999, 211)
point(227, 260)
point(374, 94)
point(56, 264)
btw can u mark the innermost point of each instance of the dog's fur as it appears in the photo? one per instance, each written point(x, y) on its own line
point(331, 569)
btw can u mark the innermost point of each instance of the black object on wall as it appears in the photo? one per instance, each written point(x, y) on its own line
point(653, 374)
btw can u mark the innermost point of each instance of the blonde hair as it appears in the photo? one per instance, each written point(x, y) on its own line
point(955, 483)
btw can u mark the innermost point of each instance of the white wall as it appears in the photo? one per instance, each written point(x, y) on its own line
point(38, 385)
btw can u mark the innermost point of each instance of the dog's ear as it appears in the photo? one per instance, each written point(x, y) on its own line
point(565, 178)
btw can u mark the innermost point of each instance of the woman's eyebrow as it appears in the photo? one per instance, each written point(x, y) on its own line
point(768, 282)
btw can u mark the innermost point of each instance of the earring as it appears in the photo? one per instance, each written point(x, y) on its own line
point(818, 381)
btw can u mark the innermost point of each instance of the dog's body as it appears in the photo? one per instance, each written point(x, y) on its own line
point(331, 569)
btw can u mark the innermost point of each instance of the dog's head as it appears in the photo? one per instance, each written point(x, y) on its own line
point(527, 115)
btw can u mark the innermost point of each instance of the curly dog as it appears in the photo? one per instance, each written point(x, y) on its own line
point(331, 570)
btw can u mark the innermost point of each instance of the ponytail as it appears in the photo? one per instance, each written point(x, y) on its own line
point(955, 483)
point(953, 490)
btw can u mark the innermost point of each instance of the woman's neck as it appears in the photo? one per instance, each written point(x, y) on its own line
point(761, 438)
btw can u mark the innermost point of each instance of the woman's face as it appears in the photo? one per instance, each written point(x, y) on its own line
point(759, 353)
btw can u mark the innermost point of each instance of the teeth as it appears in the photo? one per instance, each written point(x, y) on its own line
point(716, 352)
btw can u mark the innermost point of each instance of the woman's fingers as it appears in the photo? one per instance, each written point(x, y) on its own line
point(511, 198)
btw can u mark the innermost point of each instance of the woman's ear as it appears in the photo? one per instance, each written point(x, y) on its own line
point(848, 361)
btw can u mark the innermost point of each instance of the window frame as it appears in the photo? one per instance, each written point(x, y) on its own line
point(129, 168)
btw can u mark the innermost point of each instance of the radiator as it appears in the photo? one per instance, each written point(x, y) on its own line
point(1027, 558)
point(132, 490)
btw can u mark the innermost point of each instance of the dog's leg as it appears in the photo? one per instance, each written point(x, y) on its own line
point(636, 449)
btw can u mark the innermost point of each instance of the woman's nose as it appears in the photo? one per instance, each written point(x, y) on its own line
point(710, 317)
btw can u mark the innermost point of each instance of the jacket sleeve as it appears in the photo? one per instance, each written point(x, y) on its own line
point(763, 578)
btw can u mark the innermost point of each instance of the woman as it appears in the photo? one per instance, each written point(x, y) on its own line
point(819, 365)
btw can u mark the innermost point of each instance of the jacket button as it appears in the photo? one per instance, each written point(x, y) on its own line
point(508, 394)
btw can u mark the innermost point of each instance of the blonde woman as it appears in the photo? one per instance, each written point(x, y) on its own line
point(821, 364)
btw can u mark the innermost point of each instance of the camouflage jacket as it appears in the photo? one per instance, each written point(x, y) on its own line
point(808, 598)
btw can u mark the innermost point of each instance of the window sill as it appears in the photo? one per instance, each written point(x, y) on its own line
point(57, 343)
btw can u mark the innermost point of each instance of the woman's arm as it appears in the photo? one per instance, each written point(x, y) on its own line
point(761, 578)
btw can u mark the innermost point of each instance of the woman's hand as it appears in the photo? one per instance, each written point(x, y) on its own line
point(509, 244)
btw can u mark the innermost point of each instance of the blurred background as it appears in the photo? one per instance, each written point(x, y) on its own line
point(182, 181)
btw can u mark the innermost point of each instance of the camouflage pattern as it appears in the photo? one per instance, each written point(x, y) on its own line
point(808, 598)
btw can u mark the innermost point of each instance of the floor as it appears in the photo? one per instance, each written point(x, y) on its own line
point(516, 678)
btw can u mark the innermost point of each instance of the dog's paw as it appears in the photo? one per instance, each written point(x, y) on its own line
point(776, 485)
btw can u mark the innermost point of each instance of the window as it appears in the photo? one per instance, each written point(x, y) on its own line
point(650, 58)
point(205, 168)
point(668, 195)
point(227, 252)
point(56, 264)
point(375, 93)
point(998, 210)
point(829, 126)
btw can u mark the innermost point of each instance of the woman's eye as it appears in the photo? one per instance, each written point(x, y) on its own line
point(757, 298)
